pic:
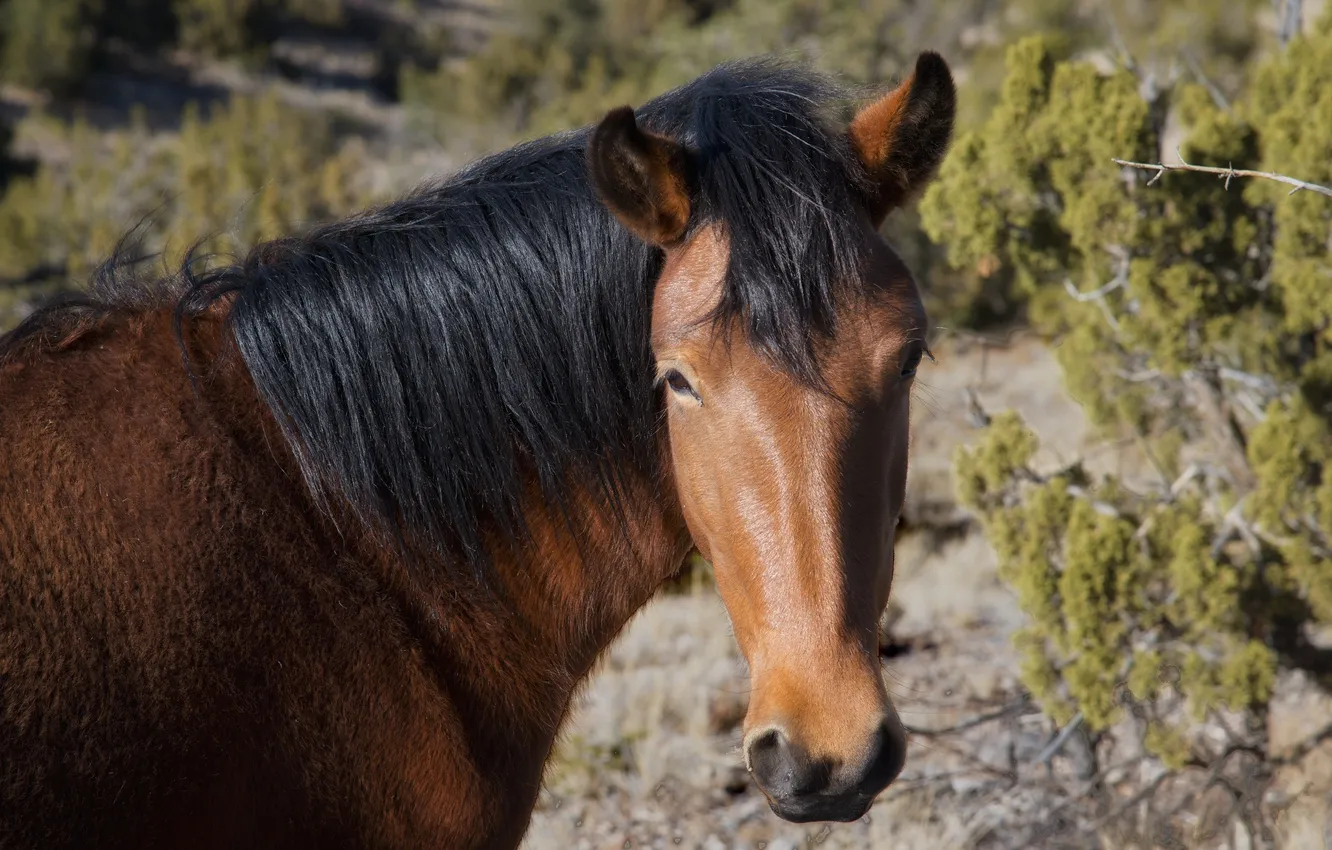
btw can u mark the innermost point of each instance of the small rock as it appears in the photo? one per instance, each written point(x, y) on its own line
point(1276, 798)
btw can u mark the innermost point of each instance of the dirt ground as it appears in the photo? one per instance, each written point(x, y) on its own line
point(651, 757)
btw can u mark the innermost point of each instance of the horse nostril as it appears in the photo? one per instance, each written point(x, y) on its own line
point(764, 755)
point(887, 755)
point(784, 770)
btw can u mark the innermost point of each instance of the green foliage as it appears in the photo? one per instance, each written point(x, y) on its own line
point(71, 216)
point(51, 44)
point(279, 168)
point(546, 65)
point(233, 27)
point(558, 64)
point(1292, 109)
point(252, 169)
point(213, 26)
point(1031, 197)
point(555, 65)
point(1117, 589)
point(1185, 310)
point(993, 462)
point(45, 42)
point(1167, 744)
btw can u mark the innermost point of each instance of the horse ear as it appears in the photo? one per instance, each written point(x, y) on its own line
point(645, 179)
point(903, 136)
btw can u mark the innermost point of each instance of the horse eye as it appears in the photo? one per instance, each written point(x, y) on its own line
point(913, 360)
point(680, 384)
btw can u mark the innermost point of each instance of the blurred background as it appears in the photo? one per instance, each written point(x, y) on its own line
point(1111, 617)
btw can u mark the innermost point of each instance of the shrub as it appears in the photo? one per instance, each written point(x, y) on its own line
point(1190, 311)
point(46, 42)
point(247, 170)
point(52, 44)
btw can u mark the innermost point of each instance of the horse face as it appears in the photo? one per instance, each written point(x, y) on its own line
point(793, 490)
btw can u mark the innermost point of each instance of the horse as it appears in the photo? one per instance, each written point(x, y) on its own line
point(313, 546)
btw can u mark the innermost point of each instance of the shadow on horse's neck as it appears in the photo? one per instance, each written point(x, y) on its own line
point(520, 639)
point(575, 593)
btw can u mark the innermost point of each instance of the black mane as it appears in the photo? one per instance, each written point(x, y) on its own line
point(423, 359)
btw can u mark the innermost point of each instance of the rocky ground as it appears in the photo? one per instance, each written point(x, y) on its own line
point(651, 758)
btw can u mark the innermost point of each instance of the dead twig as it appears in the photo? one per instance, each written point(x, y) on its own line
point(977, 417)
point(1290, 19)
point(1017, 707)
point(1099, 292)
point(1262, 383)
point(974, 762)
point(1304, 747)
point(1218, 97)
point(1234, 525)
point(1226, 173)
point(1098, 295)
point(1060, 740)
point(1118, 811)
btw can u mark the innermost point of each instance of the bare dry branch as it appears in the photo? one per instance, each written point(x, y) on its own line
point(1261, 383)
point(1304, 747)
point(1218, 97)
point(1195, 470)
point(1290, 18)
point(1118, 811)
point(1139, 376)
point(1013, 708)
point(1097, 296)
point(1060, 740)
point(1226, 174)
point(977, 416)
point(1234, 525)
point(1099, 292)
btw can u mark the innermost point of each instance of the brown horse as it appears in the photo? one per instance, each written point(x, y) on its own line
point(314, 549)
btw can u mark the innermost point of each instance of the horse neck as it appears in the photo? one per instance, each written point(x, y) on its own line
point(520, 641)
point(583, 574)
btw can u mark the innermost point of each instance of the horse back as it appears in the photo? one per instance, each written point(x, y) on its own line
point(188, 653)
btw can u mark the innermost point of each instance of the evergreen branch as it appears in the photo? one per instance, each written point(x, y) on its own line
point(1226, 173)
